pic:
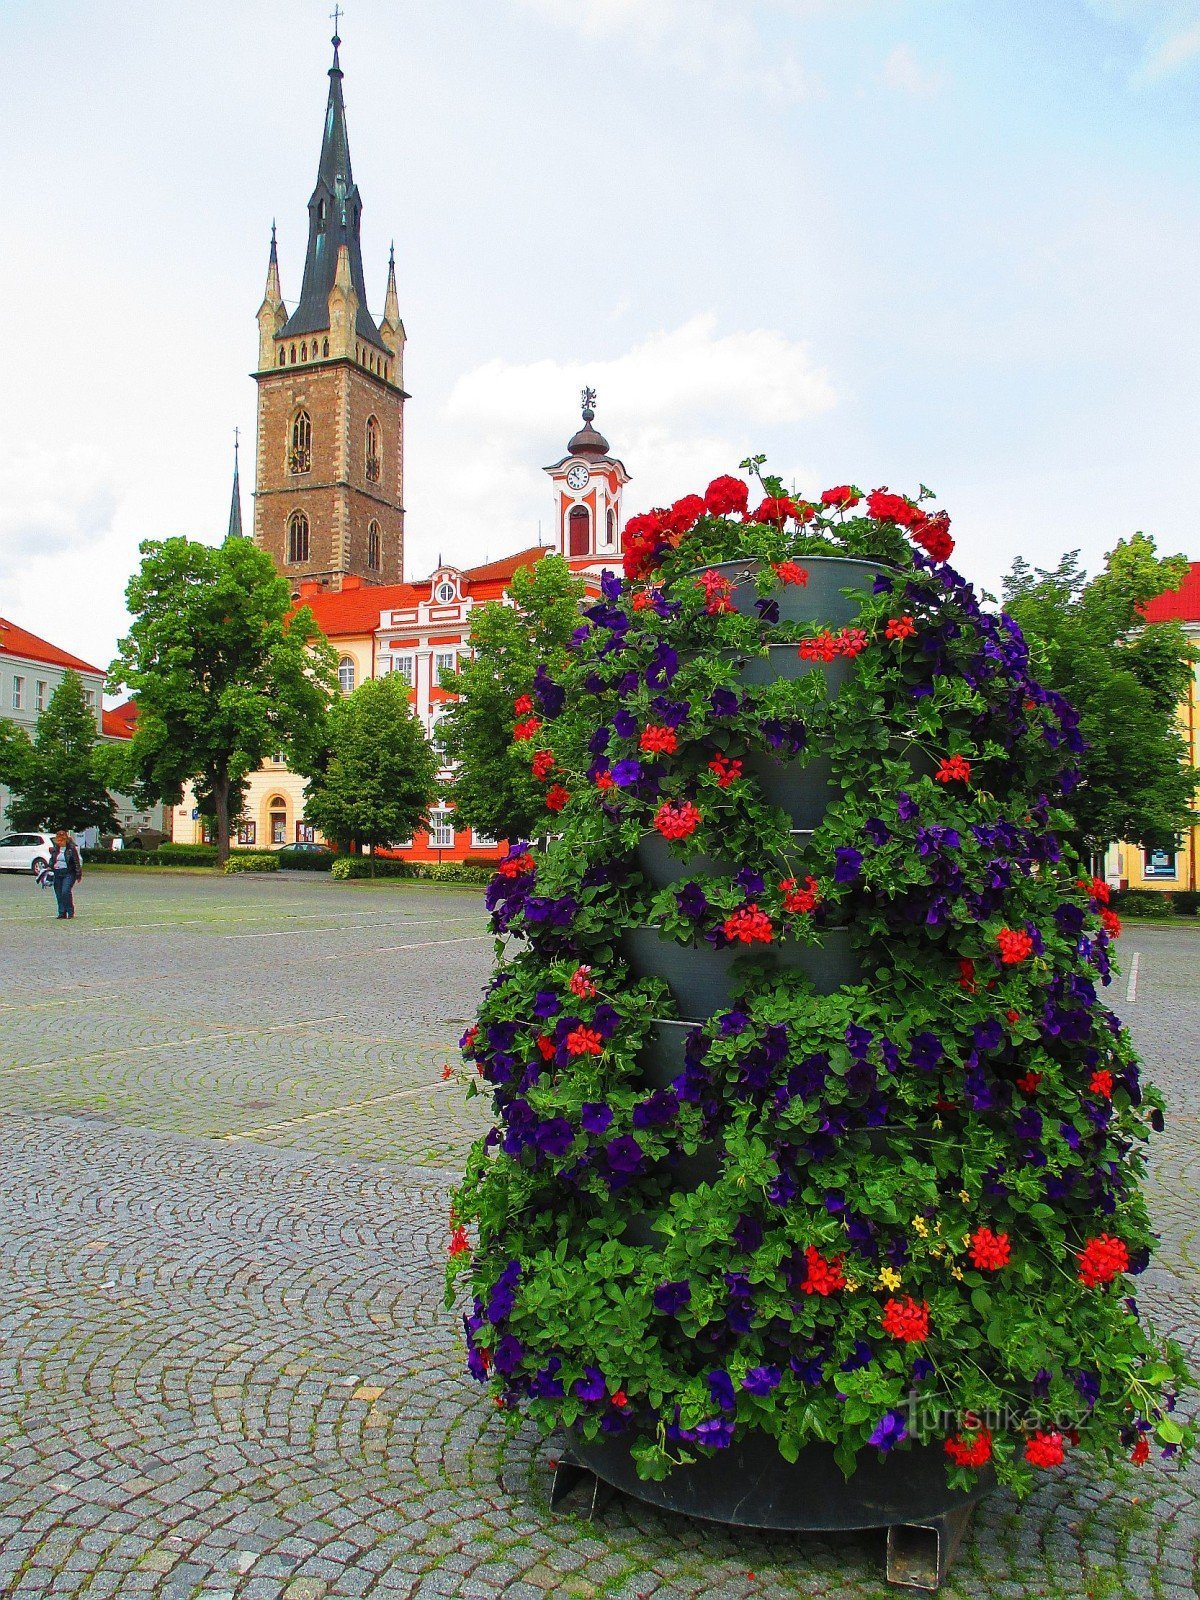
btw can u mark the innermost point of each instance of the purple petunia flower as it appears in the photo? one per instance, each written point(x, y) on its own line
point(847, 865)
point(546, 1004)
point(761, 1380)
point(508, 1354)
point(724, 703)
point(906, 807)
point(876, 831)
point(626, 773)
point(591, 1386)
point(734, 1022)
point(720, 1387)
point(624, 1153)
point(595, 1117)
point(691, 900)
point(889, 1431)
point(670, 1298)
point(925, 1051)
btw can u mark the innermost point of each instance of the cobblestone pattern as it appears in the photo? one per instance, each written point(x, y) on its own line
point(225, 1369)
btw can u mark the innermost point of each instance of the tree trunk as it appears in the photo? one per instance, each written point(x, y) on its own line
point(372, 860)
point(220, 793)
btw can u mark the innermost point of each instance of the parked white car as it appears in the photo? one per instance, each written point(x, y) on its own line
point(25, 852)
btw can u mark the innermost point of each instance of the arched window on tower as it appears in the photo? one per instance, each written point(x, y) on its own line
point(282, 355)
point(372, 449)
point(297, 538)
point(609, 527)
point(579, 531)
point(324, 347)
point(374, 547)
point(304, 351)
point(346, 675)
point(300, 458)
point(320, 216)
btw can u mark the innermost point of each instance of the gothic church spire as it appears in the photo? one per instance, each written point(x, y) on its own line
point(235, 503)
point(334, 222)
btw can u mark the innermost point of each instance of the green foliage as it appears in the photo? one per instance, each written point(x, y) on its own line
point(463, 872)
point(306, 861)
point(222, 677)
point(804, 1160)
point(173, 856)
point(252, 861)
point(378, 775)
point(492, 789)
point(1126, 678)
point(60, 778)
point(191, 855)
point(1144, 902)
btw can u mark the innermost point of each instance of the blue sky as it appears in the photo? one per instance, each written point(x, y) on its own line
point(950, 241)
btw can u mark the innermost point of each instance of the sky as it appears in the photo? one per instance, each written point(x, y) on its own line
point(950, 242)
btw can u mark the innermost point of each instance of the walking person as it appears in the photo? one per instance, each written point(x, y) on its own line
point(67, 866)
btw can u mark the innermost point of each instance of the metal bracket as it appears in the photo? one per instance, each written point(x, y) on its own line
point(919, 1554)
point(568, 1475)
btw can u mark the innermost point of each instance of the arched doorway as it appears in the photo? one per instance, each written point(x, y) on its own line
point(579, 531)
point(277, 822)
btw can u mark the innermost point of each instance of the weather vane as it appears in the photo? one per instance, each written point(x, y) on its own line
point(589, 400)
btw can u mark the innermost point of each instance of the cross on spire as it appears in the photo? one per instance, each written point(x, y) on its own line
point(335, 17)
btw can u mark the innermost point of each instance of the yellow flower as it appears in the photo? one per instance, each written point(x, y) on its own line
point(852, 1284)
point(920, 1227)
point(889, 1278)
point(956, 1272)
point(965, 1196)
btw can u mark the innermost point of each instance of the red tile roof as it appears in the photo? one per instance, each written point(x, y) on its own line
point(1182, 603)
point(119, 723)
point(507, 567)
point(16, 641)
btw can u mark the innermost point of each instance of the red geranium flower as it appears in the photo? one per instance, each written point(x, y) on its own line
point(644, 599)
point(1029, 1083)
point(658, 741)
point(582, 983)
point(966, 973)
point(545, 1046)
point(677, 819)
point(605, 780)
point(1101, 1083)
point(749, 925)
point(1045, 1450)
point(842, 498)
point(527, 729)
point(1112, 923)
point(543, 764)
point(888, 507)
point(850, 642)
point(1015, 945)
point(523, 705)
point(459, 1243)
point(718, 592)
point(777, 508)
point(900, 628)
point(972, 1450)
point(906, 1320)
point(820, 647)
point(796, 899)
point(727, 769)
point(791, 572)
point(953, 769)
point(1101, 1259)
point(683, 516)
point(725, 495)
point(823, 1276)
point(1140, 1452)
point(557, 797)
point(620, 1399)
point(584, 1042)
point(515, 866)
point(989, 1251)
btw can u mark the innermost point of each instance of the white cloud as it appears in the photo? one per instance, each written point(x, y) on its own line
point(1176, 52)
point(903, 71)
point(679, 407)
point(1169, 31)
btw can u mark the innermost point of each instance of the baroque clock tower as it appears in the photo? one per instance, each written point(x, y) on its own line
point(329, 492)
point(588, 484)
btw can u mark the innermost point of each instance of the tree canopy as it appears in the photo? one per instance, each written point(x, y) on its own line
point(222, 676)
point(60, 777)
point(378, 774)
point(1126, 678)
point(492, 788)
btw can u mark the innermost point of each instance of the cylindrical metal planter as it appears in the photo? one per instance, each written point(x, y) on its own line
point(701, 979)
point(750, 1485)
point(785, 661)
point(819, 600)
point(662, 868)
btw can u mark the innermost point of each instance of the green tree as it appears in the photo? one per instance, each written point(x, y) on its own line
point(1125, 677)
point(222, 675)
point(59, 779)
point(492, 788)
point(378, 773)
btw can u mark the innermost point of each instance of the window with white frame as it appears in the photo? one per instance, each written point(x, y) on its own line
point(441, 828)
point(39, 695)
point(401, 844)
point(482, 841)
point(443, 664)
point(437, 738)
point(89, 696)
point(18, 698)
point(346, 675)
point(404, 666)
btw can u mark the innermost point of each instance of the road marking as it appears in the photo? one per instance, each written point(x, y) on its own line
point(339, 1111)
point(173, 1044)
point(1131, 988)
point(390, 949)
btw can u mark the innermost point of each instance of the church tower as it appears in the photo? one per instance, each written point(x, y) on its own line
point(588, 484)
point(329, 492)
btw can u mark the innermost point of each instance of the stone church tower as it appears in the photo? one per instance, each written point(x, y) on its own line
point(329, 494)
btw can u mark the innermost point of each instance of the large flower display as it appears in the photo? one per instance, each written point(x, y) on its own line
point(811, 1119)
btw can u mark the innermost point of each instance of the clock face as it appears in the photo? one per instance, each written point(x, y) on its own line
point(578, 476)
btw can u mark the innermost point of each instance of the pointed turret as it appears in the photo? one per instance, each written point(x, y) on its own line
point(334, 220)
point(271, 314)
point(235, 502)
point(391, 328)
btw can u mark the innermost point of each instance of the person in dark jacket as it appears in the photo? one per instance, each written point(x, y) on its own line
point(67, 866)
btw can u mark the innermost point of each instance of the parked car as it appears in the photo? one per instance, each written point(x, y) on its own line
point(25, 852)
point(307, 852)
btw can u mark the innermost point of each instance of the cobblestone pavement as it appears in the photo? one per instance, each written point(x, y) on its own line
point(225, 1369)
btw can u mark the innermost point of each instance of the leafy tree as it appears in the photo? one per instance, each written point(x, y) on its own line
point(378, 774)
point(58, 779)
point(1126, 678)
point(223, 677)
point(492, 788)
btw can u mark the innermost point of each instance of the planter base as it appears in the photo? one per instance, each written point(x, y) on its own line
point(751, 1486)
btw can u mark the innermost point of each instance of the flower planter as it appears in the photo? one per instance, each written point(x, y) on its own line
point(785, 661)
point(819, 600)
point(701, 979)
point(804, 789)
point(662, 868)
point(750, 1485)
